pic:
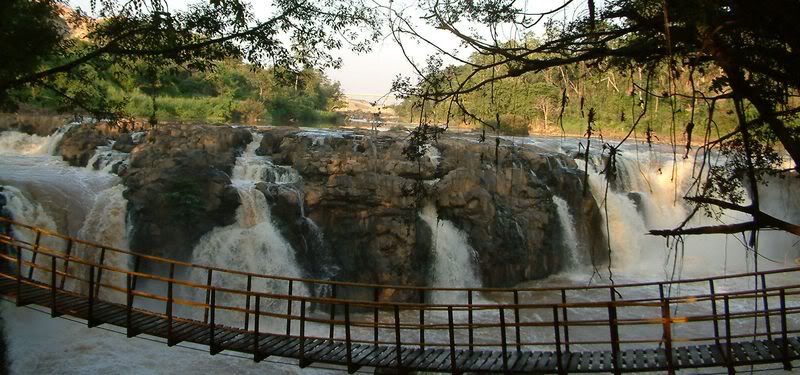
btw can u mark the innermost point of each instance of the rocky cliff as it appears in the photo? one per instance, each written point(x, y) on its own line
point(360, 189)
point(354, 212)
point(177, 180)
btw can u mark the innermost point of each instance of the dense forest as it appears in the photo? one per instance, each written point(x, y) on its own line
point(231, 92)
point(537, 102)
point(214, 89)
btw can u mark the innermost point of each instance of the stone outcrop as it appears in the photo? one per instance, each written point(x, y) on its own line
point(365, 195)
point(353, 213)
point(79, 143)
point(32, 123)
point(178, 186)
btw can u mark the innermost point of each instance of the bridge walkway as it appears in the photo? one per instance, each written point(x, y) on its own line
point(32, 272)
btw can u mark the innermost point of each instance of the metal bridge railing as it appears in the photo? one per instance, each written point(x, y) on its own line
point(713, 310)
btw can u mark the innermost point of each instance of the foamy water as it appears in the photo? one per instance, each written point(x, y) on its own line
point(43, 190)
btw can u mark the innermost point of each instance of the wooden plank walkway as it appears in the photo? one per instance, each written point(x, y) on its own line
point(219, 338)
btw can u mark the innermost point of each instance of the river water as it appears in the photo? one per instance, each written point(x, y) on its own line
point(88, 202)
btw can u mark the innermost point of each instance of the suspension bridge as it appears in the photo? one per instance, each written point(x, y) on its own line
point(726, 322)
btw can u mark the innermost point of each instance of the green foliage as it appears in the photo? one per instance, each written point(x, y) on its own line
point(146, 47)
point(233, 92)
point(27, 37)
point(532, 102)
point(184, 198)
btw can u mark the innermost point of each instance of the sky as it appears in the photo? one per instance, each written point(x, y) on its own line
point(369, 75)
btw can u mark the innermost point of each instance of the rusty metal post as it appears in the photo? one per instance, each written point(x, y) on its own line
point(566, 319)
point(503, 338)
point(19, 277)
point(257, 357)
point(90, 314)
point(332, 326)
point(517, 322)
point(247, 303)
point(212, 348)
point(470, 321)
point(375, 315)
point(397, 339)
point(130, 332)
point(666, 325)
point(422, 319)
point(68, 253)
point(614, 332)
point(348, 345)
point(289, 310)
point(53, 289)
point(137, 263)
point(728, 349)
point(208, 295)
point(787, 363)
point(170, 339)
point(100, 271)
point(714, 312)
point(557, 334)
point(766, 306)
point(35, 252)
point(451, 331)
point(302, 351)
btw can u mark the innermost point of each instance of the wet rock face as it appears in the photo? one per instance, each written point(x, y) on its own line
point(79, 143)
point(359, 189)
point(505, 208)
point(354, 214)
point(178, 186)
point(354, 191)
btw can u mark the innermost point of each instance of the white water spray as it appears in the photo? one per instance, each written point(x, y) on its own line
point(455, 262)
point(105, 159)
point(575, 258)
point(252, 244)
point(25, 210)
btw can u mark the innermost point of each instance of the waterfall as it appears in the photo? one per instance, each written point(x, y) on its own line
point(13, 142)
point(43, 191)
point(575, 258)
point(106, 224)
point(25, 210)
point(455, 261)
point(255, 168)
point(433, 154)
point(106, 159)
point(252, 244)
point(648, 194)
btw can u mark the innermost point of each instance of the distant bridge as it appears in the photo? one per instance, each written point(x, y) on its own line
point(718, 323)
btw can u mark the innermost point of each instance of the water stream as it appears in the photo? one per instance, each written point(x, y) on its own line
point(42, 190)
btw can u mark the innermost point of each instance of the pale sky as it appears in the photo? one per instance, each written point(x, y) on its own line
point(368, 76)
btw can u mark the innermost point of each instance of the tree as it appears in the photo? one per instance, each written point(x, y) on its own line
point(754, 46)
point(152, 33)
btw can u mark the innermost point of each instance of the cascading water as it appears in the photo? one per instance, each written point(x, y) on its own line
point(253, 243)
point(42, 190)
point(25, 210)
point(106, 224)
point(647, 193)
point(454, 259)
point(17, 143)
point(575, 259)
point(106, 159)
